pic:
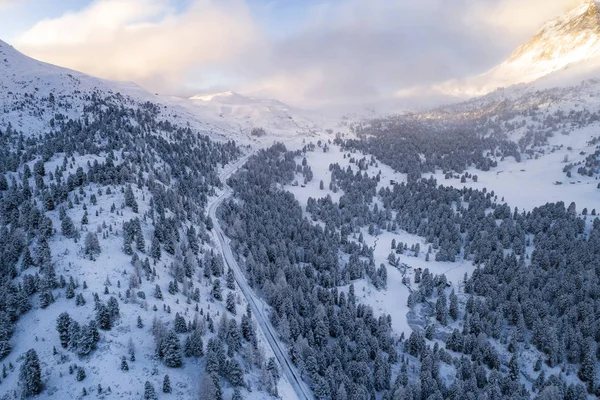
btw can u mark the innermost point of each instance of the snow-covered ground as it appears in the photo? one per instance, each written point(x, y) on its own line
point(534, 182)
point(392, 300)
point(113, 269)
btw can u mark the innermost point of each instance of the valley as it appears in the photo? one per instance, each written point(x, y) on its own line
point(228, 246)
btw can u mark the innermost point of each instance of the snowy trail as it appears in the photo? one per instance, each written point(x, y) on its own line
point(292, 375)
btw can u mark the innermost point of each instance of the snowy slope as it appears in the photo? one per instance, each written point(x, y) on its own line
point(242, 113)
point(32, 92)
point(33, 97)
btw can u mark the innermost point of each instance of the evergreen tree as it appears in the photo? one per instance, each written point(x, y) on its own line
point(155, 248)
point(103, 317)
point(216, 290)
point(272, 369)
point(441, 312)
point(166, 384)
point(194, 346)
point(587, 371)
point(180, 325)
point(215, 356)
point(30, 374)
point(230, 304)
point(62, 326)
point(237, 395)
point(235, 374)
point(172, 350)
point(80, 374)
point(149, 392)
point(230, 279)
point(124, 365)
point(91, 246)
point(453, 309)
point(68, 227)
point(157, 292)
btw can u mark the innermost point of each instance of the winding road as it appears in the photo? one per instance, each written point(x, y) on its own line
point(292, 375)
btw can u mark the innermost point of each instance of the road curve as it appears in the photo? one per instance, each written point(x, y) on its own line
point(302, 392)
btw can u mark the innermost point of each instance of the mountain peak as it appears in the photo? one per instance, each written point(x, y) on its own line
point(213, 96)
point(569, 39)
point(570, 35)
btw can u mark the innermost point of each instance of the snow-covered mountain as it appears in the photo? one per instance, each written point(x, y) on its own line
point(31, 91)
point(116, 184)
point(562, 42)
point(242, 113)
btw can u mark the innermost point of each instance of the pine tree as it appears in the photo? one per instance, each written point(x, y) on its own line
point(193, 240)
point(27, 259)
point(70, 291)
point(30, 374)
point(92, 245)
point(140, 324)
point(74, 335)
point(453, 309)
point(80, 374)
point(272, 368)
point(235, 374)
point(130, 199)
point(587, 371)
point(216, 290)
point(441, 313)
point(124, 365)
point(158, 293)
point(237, 395)
point(88, 338)
point(113, 308)
point(62, 326)
point(149, 393)
point(513, 367)
point(155, 248)
point(140, 243)
point(171, 348)
point(180, 325)
point(230, 305)
point(247, 328)
point(79, 300)
point(68, 227)
point(215, 356)
point(166, 384)
point(194, 346)
point(103, 317)
point(230, 279)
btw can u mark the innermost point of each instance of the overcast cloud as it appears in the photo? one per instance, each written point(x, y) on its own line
point(345, 51)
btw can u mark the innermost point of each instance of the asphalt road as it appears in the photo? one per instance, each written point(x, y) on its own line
point(292, 375)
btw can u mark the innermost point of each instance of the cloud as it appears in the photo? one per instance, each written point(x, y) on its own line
point(367, 49)
point(146, 41)
point(5, 4)
point(363, 50)
point(517, 18)
point(341, 51)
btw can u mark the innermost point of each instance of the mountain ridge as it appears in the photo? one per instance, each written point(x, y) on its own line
point(561, 42)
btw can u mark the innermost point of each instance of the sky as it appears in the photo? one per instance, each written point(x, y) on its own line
point(304, 52)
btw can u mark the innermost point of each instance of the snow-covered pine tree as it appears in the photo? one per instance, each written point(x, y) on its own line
point(166, 388)
point(172, 350)
point(30, 374)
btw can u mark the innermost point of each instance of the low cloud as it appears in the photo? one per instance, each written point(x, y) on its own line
point(516, 19)
point(344, 51)
point(146, 41)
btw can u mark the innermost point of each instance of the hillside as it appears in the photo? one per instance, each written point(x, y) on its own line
point(110, 275)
